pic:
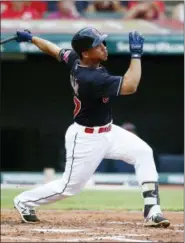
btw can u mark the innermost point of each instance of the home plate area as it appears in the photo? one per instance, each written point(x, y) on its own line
point(89, 226)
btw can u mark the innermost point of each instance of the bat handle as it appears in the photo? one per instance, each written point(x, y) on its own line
point(8, 39)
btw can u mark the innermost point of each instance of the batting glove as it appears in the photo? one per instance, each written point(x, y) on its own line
point(136, 42)
point(24, 36)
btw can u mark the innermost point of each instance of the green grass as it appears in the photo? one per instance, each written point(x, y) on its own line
point(104, 200)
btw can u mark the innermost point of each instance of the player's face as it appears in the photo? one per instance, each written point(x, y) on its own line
point(98, 53)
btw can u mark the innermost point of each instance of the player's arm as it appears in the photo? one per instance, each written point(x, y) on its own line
point(132, 77)
point(44, 45)
point(105, 85)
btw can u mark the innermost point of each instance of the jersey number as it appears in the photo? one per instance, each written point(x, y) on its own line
point(77, 103)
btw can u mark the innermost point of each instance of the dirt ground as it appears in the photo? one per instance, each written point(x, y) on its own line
point(89, 226)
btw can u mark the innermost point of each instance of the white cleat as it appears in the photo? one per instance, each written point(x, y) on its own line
point(28, 214)
point(157, 220)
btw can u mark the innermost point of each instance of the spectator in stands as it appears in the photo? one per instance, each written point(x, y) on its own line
point(4, 6)
point(81, 6)
point(178, 12)
point(66, 10)
point(39, 6)
point(106, 6)
point(19, 10)
point(151, 10)
point(129, 127)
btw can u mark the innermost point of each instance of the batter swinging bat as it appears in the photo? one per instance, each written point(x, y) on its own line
point(8, 39)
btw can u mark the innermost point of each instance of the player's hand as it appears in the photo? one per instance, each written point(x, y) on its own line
point(136, 42)
point(24, 36)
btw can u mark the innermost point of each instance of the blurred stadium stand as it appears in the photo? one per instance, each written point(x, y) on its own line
point(81, 7)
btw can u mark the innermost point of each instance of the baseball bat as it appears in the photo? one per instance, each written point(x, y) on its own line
point(8, 39)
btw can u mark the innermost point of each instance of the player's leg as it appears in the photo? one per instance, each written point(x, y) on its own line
point(84, 154)
point(128, 147)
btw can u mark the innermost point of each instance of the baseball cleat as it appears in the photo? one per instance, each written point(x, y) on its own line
point(157, 220)
point(28, 214)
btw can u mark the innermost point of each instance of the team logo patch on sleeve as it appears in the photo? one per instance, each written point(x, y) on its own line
point(66, 55)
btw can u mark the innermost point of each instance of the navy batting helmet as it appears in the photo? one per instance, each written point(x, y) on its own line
point(87, 38)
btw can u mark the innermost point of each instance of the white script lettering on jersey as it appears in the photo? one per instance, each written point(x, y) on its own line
point(74, 84)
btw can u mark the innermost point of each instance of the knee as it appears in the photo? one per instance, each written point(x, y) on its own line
point(146, 150)
point(73, 188)
point(149, 150)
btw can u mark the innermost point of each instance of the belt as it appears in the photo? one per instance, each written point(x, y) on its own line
point(100, 130)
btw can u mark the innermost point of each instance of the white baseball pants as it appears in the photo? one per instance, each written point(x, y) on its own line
point(84, 152)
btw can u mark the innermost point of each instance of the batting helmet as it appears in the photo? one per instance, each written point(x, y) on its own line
point(87, 38)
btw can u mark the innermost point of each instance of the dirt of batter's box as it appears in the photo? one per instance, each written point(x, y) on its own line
point(93, 226)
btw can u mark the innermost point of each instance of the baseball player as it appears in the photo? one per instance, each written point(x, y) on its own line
point(93, 136)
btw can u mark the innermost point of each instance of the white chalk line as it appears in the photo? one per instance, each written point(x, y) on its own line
point(123, 239)
point(131, 235)
point(95, 238)
point(80, 230)
point(136, 235)
point(117, 238)
point(58, 230)
point(118, 222)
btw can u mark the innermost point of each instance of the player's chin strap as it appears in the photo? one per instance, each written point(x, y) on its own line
point(150, 190)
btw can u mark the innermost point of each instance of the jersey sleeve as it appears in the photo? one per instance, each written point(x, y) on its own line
point(68, 56)
point(106, 85)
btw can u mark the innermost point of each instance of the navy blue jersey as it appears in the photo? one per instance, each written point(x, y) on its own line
point(93, 88)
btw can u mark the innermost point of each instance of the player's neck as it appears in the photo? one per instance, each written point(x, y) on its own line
point(89, 63)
